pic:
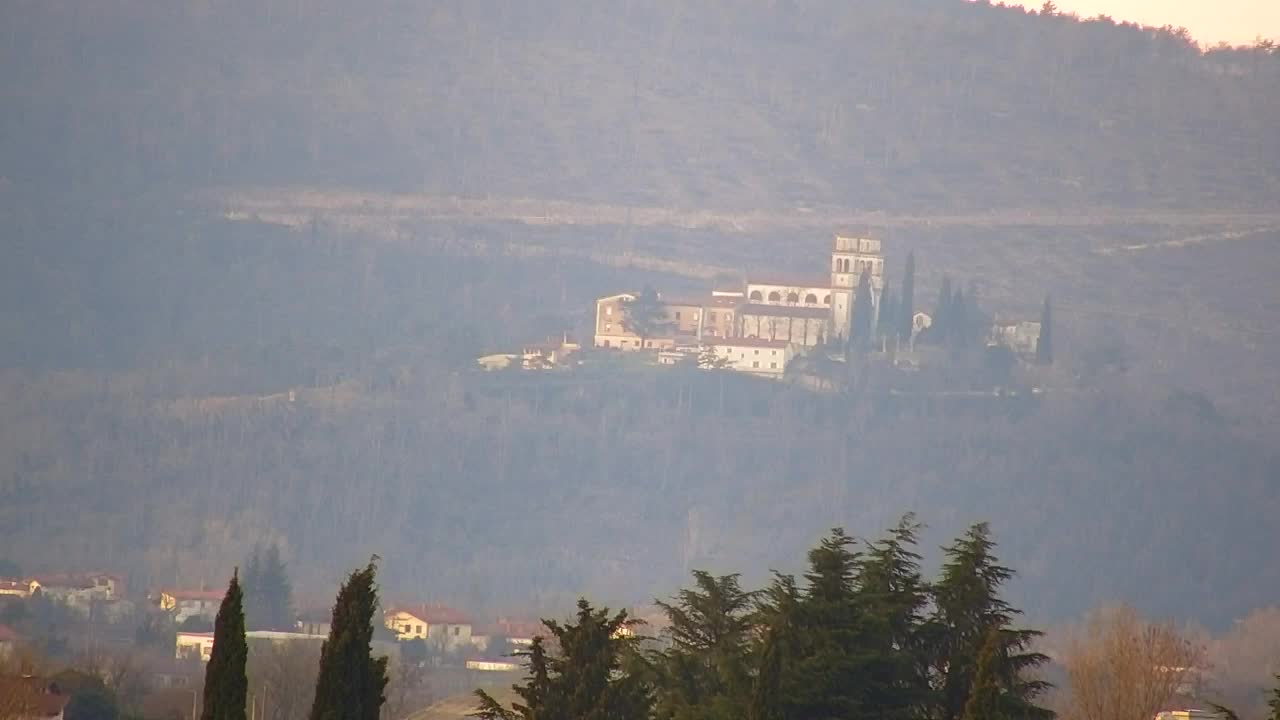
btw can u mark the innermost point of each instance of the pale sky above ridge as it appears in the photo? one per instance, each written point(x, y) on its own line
point(1238, 22)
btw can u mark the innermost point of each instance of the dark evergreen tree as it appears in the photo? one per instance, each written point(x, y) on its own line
point(958, 319)
point(268, 593)
point(1273, 702)
point(967, 608)
point(705, 672)
point(1044, 344)
point(822, 659)
point(906, 305)
point(886, 322)
point(352, 683)
point(864, 313)
point(894, 597)
point(592, 677)
point(226, 684)
point(779, 614)
point(984, 696)
point(942, 313)
point(645, 316)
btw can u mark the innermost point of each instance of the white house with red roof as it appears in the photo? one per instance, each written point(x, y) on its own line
point(440, 625)
point(186, 604)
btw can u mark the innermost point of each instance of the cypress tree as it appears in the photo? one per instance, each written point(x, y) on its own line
point(1044, 344)
point(863, 312)
point(352, 683)
point(226, 685)
point(942, 313)
point(906, 304)
point(886, 321)
point(984, 696)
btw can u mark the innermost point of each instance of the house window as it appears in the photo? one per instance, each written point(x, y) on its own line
point(810, 299)
point(457, 630)
point(711, 317)
point(826, 300)
point(608, 327)
point(773, 352)
point(793, 298)
point(773, 365)
point(419, 628)
point(755, 295)
point(757, 352)
point(406, 628)
point(677, 314)
point(755, 364)
point(775, 296)
point(608, 310)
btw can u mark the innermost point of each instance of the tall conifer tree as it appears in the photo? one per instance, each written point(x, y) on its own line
point(1044, 344)
point(894, 596)
point(967, 608)
point(587, 679)
point(705, 672)
point(864, 313)
point(907, 303)
point(352, 683)
point(226, 685)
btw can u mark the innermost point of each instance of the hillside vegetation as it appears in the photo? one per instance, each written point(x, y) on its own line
point(869, 104)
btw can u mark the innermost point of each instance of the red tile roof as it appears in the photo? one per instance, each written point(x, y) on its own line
point(749, 342)
point(177, 594)
point(433, 613)
point(817, 283)
point(518, 629)
point(792, 311)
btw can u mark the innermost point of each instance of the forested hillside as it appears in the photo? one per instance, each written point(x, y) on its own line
point(147, 427)
point(868, 104)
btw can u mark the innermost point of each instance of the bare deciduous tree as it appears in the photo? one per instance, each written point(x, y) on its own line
point(1121, 666)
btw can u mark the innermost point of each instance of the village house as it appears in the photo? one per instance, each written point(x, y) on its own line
point(546, 355)
point(186, 604)
point(193, 646)
point(13, 587)
point(516, 633)
point(1020, 336)
point(753, 355)
point(442, 627)
point(79, 592)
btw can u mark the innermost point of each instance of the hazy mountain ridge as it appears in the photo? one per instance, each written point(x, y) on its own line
point(868, 104)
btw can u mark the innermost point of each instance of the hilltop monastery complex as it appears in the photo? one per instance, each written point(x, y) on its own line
point(760, 326)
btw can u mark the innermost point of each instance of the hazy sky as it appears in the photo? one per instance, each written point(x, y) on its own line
point(1210, 21)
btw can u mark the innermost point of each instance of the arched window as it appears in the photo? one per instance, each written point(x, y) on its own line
point(774, 296)
point(810, 299)
point(793, 298)
point(826, 300)
point(755, 295)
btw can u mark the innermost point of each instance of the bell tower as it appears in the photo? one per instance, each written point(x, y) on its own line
point(850, 257)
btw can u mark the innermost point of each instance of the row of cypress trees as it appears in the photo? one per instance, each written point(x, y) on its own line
point(861, 635)
point(351, 684)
